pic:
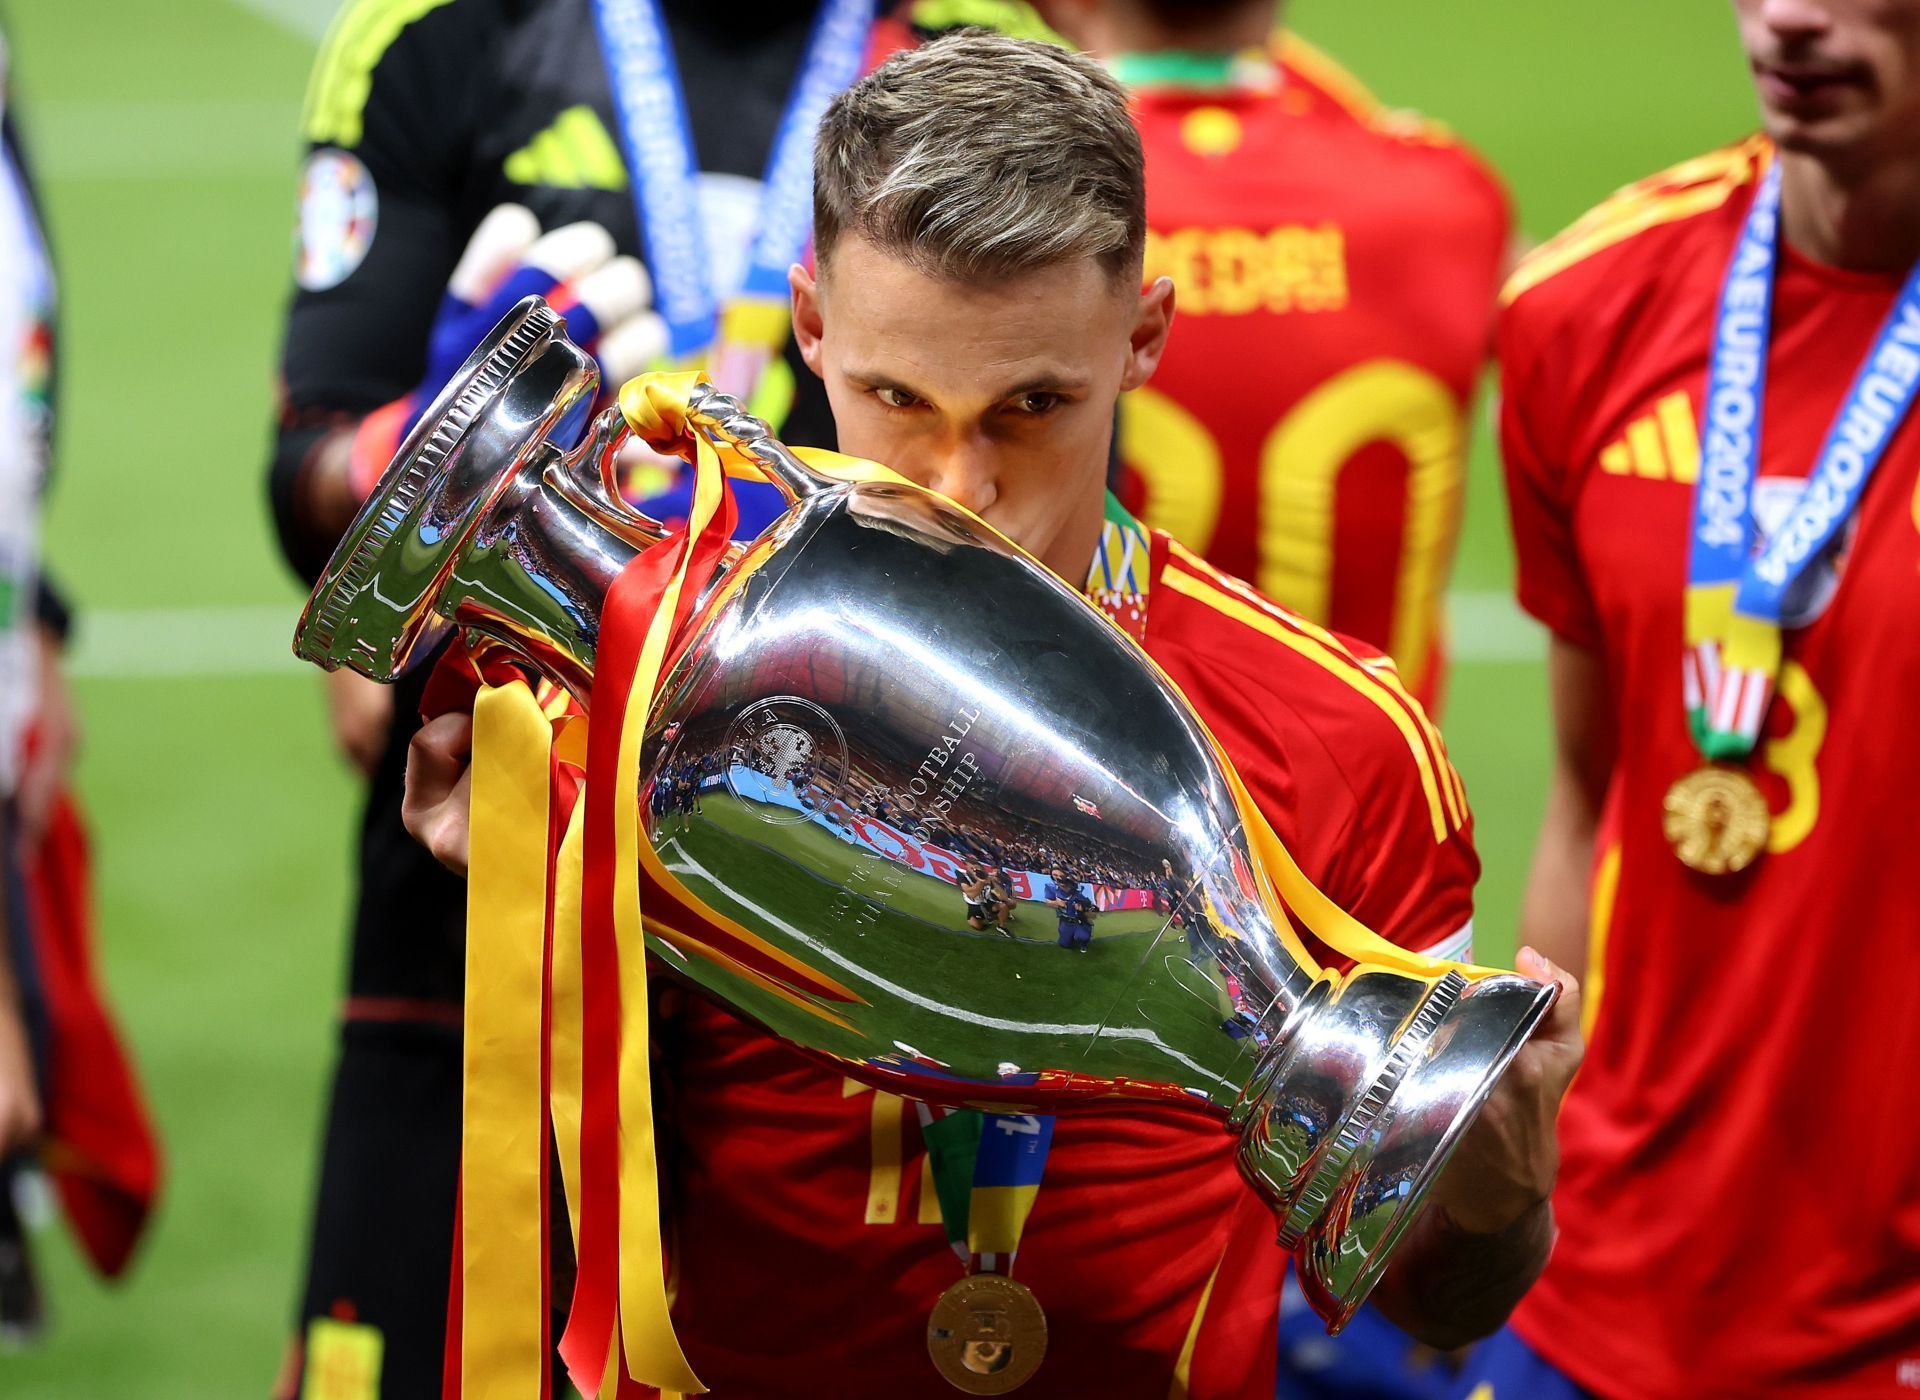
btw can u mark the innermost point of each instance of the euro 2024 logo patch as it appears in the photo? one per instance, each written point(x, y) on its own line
point(338, 213)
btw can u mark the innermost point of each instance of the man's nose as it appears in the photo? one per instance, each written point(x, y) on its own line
point(1796, 19)
point(968, 473)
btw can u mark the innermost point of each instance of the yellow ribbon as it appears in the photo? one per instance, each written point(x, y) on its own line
point(503, 1339)
point(655, 407)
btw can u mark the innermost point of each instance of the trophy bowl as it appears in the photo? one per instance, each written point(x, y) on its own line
point(878, 696)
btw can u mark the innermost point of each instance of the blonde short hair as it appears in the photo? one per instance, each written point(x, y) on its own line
point(978, 157)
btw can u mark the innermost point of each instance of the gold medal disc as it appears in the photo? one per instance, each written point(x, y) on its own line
point(1716, 820)
point(987, 1334)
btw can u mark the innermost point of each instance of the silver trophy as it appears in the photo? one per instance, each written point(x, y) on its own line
point(888, 732)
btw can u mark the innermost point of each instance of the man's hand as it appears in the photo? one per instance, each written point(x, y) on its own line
point(56, 739)
point(607, 302)
point(1485, 1233)
point(440, 789)
point(362, 713)
point(20, 1120)
point(1505, 1165)
point(19, 1101)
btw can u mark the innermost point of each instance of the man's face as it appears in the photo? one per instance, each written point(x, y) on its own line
point(998, 396)
point(1836, 77)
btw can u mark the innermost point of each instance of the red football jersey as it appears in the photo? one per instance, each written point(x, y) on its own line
point(1739, 1198)
point(804, 1220)
point(1335, 268)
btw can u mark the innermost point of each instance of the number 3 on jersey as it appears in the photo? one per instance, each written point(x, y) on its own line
point(1386, 402)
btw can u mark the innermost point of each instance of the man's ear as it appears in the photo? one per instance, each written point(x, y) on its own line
point(808, 327)
point(1153, 320)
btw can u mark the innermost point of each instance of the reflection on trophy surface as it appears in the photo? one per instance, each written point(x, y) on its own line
point(880, 694)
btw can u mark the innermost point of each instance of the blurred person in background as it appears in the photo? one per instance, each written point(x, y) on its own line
point(1338, 264)
point(463, 154)
point(1707, 386)
point(32, 622)
point(66, 1088)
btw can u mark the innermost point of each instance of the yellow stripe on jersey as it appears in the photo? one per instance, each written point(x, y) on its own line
point(1606, 884)
point(1352, 96)
point(1013, 18)
point(358, 38)
point(1332, 658)
point(1690, 188)
point(1388, 675)
point(1321, 69)
point(1384, 669)
point(1183, 1367)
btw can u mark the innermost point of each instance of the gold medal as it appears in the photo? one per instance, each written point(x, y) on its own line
point(1716, 820)
point(987, 1334)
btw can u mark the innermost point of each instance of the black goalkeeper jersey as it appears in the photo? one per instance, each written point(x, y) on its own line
point(453, 108)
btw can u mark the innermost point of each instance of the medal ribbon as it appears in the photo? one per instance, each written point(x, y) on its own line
point(1736, 596)
point(652, 111)
point(986, 1170)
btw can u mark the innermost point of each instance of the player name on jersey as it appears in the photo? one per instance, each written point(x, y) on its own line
point(1237, 271)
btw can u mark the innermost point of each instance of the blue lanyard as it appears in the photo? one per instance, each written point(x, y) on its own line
point(658, 140)
point(1006, 1178)
point(1735, 596)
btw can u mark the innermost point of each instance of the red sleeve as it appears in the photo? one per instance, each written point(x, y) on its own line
point(1386, 868)
point(1345, 765)
point(1541, 488)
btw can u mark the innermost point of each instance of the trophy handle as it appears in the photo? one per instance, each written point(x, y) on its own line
point(587, 477)
point(722, 417)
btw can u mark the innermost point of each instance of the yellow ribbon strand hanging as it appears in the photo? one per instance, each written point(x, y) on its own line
point(503, 1337)
point(1325, 919)
point(655, 407)
point(563, 977)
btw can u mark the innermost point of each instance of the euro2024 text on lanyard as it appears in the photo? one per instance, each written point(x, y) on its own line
point(745, 333)
point(1715, 817)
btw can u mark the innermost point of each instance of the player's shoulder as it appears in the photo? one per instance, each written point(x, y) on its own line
point(1013, 18)
point(1406, 139)
point(1274, 679)
point(367, 35)
point(1638, 233)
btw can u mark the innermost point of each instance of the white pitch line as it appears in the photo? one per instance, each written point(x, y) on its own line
point(183, 643)
point(188, 138)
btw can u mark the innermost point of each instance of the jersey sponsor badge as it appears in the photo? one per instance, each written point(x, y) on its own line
point(338, 213)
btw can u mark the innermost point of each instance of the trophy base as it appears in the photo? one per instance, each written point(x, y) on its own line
point(1366, 1096)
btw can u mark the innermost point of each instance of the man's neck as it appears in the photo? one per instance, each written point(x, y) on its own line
point(1071, 554)
point(1118, 28)
point(1863, 220)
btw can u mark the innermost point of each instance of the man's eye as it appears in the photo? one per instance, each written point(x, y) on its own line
point(1037, 403)
point(897, 398)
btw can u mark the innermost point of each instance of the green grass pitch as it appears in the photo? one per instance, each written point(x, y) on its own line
point(166, 141)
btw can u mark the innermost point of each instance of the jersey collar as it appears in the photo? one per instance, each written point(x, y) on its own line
point(1122, 570)
point(1246, 70)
